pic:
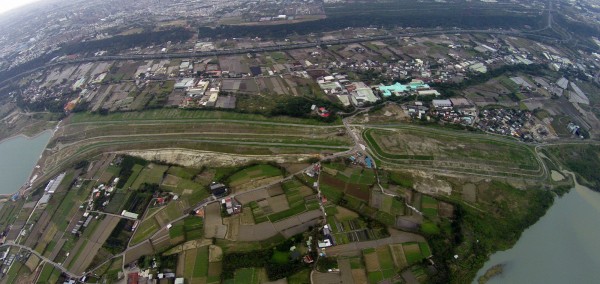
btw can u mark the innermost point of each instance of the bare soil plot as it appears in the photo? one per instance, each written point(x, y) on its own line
point(445, 210)
point(327, 278)
point(254, 183)
point(290, 232)
point(345, 214)
point(278, 203)
point(247, 197)
point(102, 94)
point(40, 230)
point(215, 253)
point(275, 190)
point(233, 64)
point(134, 254)
point(358, 192)
point(359, 275)
point(171, 180)
point(469, 192)
point(32, 262)
point(246, 217)
point(233, 227)
point(256, 232)
point(231, 85)
point(213, 223)
point(175, 98)
point(371, 261)
point(345, 270)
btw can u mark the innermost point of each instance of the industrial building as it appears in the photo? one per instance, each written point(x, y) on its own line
point(400, 89)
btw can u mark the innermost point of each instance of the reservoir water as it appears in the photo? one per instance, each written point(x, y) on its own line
point(562, 247)
point(18, 156)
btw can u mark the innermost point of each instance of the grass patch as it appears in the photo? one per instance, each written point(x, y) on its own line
point(280, 257)
point(145, 230)
point(375, 277)
point(201, 265)
point(300, 277)
point(253, 172)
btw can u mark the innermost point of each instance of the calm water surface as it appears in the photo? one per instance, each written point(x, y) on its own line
point(562, 247)
point(18, 156)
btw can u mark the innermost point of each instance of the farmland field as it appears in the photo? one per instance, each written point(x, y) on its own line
point(248, 276)
point(415, 252)
point(195, 264)
point(252, 174)
point(145, 230)
point(429, 206)
point(453, 151)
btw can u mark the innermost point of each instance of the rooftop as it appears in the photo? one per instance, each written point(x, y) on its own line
point(400, 88)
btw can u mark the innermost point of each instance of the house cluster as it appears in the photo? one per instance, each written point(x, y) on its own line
point(231, 206)
point(218, 189)
point(508, 122)
point(146, 275)
point(327, 238)
point(358, 159)
point(201, 92)
point(348, 93)
point(313, 171)
point(575, 129)
point(414, 87)
point(454, 110)
point(360, 94)
point(100, 197)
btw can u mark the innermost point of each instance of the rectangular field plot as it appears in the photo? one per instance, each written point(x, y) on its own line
point(415, 252)
point(195, 265)
point(429, 206)
point(152, 173)
point(333, 187)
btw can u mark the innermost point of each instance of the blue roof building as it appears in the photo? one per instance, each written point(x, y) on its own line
point(368, 162)
point(398, 88)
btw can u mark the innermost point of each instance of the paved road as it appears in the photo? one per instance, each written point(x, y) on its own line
point(352, 249)
point(59, 266)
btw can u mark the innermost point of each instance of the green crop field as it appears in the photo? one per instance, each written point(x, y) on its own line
point(375, 277)
point(246, 276)
point(429, 206)
point(414, 253)
point(354, 175)
point(385, 258)
point(153, 173)
point(280, 257)
point(254, 172)
point(136, 170)
point(201, 264)
point(453, 151)
point(184, 173)
point(301, 277)
point(145, 229)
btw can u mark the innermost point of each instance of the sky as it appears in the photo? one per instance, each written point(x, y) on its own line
point(6, 5)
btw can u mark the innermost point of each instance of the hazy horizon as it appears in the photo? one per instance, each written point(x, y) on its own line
point(7, 5)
